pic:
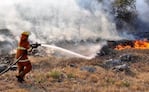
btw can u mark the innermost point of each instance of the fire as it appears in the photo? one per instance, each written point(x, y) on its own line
point(121, 47)
point(137, 44)
point(141, 44)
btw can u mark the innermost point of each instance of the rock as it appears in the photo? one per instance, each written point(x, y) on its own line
point(126, 58)
point(2, 67)
point(123, 67)
point(61, 77)
point(88, 68)
point(6, 59)
point(73, 65)
point(13, 68)
point(111, 63)
point(105, 50)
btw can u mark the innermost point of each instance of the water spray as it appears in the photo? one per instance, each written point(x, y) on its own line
point(68, 51)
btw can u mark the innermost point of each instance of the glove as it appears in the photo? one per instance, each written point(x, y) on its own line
point(36, 45)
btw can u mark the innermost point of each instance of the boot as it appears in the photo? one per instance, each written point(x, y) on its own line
point(20, 79)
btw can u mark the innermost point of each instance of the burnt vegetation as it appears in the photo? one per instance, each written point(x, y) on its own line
point(125, 14)
point(128, 20)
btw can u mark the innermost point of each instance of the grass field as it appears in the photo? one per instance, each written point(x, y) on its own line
point(55, 74)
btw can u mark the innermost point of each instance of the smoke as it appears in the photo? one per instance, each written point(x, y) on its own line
point(53, 20)
point(142, 23)
point(143, 10)
point(7, 42)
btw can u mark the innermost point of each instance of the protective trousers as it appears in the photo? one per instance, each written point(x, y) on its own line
point(24, 68)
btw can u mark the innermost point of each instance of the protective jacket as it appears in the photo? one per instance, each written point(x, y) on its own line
point(23, 48)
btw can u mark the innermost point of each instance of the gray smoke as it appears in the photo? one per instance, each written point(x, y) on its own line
point(142, 22)
point(7, 41)
point(143, 10)
point(56, 21)
point(53, 20)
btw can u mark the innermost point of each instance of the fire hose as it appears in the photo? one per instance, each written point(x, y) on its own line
point(17, 60)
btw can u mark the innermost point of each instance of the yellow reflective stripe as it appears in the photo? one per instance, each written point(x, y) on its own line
point(30, 49)
point(25, 60)
point(21, 48)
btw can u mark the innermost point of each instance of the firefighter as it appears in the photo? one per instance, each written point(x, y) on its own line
point(24, 64)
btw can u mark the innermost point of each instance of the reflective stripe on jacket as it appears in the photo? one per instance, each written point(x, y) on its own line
point(22, 49)
point(26, 60)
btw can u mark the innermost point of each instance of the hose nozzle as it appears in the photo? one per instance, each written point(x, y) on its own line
point(35, 45)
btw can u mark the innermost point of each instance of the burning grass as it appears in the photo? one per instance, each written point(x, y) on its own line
point(137, 44)
point(53, 74)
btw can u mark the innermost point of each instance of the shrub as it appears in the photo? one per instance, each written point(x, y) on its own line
point(55, 74)
point(126, 83)
point(71, 75)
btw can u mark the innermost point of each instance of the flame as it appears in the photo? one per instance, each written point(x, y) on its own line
point(121, 47)
point(141, 44)
point(138, 44)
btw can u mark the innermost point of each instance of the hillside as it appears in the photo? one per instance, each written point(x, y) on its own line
point(57, 74)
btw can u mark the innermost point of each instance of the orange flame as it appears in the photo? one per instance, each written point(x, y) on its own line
point(138, 44)
point(141, 44)
point(121, 47)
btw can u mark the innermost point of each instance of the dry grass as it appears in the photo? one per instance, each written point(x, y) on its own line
point(52, 74)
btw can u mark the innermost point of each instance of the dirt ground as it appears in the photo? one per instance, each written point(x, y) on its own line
point(57, 74)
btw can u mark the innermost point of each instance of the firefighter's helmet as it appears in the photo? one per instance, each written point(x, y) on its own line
point(26, 33)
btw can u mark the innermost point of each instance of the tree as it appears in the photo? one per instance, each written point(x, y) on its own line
point(125, 12)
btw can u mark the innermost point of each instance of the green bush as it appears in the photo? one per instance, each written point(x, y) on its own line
point(126, 83)
point(110, 80)
point(71, 75)
point(55, 74)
